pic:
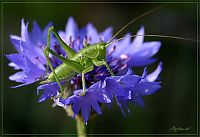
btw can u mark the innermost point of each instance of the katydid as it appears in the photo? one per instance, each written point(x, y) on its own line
point(76, 63)
point(83, 61)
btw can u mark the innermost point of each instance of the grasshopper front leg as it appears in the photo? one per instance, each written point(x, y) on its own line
point(103, 62)
point(70, 52)
point(86, 70)
point(46, 53)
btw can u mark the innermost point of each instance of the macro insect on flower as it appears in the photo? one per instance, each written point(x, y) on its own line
point(106, 73)
point(81, 69)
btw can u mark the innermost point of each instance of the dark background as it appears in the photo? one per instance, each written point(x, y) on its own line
point(175, 104)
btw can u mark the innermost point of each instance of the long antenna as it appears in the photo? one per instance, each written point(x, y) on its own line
point(154, 35)
point(135, 19)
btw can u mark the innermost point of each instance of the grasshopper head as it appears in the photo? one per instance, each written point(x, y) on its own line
point(102, 45)
point(102, 50)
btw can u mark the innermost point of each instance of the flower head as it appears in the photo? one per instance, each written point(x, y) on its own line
point(30, 58)
point(102, 88)
point(90, 101)
point(137, 51)
point(136, 87)
point(124, 89)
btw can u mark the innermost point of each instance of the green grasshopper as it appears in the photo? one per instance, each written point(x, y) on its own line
point(83, 61)
point(76, 63)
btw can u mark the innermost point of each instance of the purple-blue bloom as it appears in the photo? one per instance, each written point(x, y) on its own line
point(90, 101)
point(50, 90)
point(138, 87)
point(126, 88)
point(102, 88)
point(137, 51)
point(30, 58)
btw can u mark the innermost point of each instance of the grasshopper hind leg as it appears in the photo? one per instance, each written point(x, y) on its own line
point(71, 64)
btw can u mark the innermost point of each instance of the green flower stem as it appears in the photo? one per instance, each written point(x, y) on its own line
point(80, 125)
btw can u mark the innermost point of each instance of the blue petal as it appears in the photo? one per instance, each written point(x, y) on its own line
point(30, 74)
point(121, 46)
point(99, 95)
point(71, 30)
point(112, 88)
point(35, 34)
point(136, 45)
point(106, 34)
point(48, 87)
point(76, 105)
point(32, 68)
point(17, 59)
point(59, 102)
point(19, 44)
point(21, 85)
point(92, 34)
point(46, 29)
point(18, 77)
point(138, 101)
point(24, 31)
point(16, 41)
point(137, 52)
point(88, 101)
point(49, 90)
point(146, 88)
point(12, 64)
point(30, 50)
point(38, 37)
point(147, 49)
point(121, 107)
point(85, 111)
point(138, 40)
point(129, 71)
point(96, 107)
point(129, 80)
point(43, 39)
point(144, 75)
point(136, 61)
point(46, 95)
point(154, 75)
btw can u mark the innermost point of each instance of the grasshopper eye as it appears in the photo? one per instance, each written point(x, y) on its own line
point(80, 56)
point(103, 46)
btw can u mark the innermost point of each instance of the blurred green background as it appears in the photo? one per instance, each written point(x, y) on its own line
point(175, 104)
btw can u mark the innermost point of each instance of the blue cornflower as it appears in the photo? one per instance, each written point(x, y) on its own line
point(102, 88)
point(89, 101)
point(126, 88)
point(138, 52)
point(50, 90)
point(136, 87)
point(30, 58)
